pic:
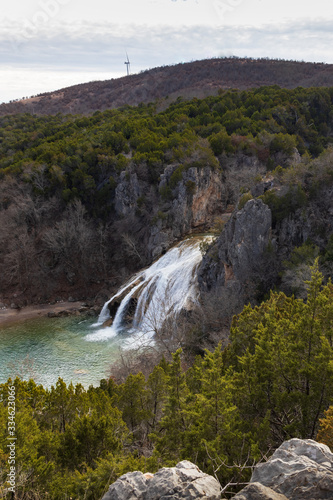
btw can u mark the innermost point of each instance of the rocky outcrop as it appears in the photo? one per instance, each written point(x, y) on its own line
point(204, 189)
point(188, 199)
point(245, 238)
point(127, 193)
point(248, 258)
point(256, 491)
point(195, 201)
point(239, 249)
point(313, 222)
point(298, 470)
point(184, 481)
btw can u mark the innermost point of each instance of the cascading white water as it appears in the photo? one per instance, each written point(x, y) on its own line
point(167, 286)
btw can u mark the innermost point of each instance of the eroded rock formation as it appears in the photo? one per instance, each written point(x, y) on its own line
point(197, 199)
point(299, 469)
point(190, 204)
point(240, 248)
point(184, 481)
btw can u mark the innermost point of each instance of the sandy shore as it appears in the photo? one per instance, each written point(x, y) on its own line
point(10, 316)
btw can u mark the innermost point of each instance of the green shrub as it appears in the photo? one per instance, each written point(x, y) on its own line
point(176, 177)
point(244, 199)
point(282, 206)
point(221, 143)
point(166, 192)
point(283, 143)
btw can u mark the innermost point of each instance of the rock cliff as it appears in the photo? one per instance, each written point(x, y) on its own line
point(312, 222)
point(238, 253)
point(196, 199)
point(178, 208)
point(249, 254)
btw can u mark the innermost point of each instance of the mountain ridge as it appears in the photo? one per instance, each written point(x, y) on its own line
point(167, 83)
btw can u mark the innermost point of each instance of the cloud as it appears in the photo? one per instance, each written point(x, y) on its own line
point(97, 45)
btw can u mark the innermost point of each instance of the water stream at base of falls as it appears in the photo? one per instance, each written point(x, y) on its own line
point(168, 286)
point(80, 350)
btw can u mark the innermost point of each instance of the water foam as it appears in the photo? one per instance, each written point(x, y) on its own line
point(166, 287)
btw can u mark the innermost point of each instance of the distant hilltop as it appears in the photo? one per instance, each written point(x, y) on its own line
point(165, 84)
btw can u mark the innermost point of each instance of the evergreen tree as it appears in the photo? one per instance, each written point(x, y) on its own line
point(286, 370)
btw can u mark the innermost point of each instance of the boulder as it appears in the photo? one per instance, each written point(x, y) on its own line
point(299, 469)
point(185, 481)
point(127, 487)
point(256, 491)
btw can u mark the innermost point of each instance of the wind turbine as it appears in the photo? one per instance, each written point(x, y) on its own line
point(128, 65)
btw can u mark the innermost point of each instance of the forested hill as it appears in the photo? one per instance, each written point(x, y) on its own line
point(194, 79)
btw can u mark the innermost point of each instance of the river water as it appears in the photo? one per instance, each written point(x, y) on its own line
point(82, 350)
point(48, 348)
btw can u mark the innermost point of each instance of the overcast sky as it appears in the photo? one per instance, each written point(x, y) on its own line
point(50, 44)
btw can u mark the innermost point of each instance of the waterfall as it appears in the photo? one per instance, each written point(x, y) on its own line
point(145, 301)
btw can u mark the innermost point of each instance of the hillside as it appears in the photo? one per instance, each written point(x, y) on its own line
point(194, 79)
point(124, 185)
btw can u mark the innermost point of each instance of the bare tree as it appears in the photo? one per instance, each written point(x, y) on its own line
point(20, 265)
point(71, 243)
point(131, 246)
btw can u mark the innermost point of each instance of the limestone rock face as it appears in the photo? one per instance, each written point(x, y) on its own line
point(185, 481)
point(196, 200)
point(299, 469)
point(204, 188)
point(127, 192)
point(240, 247)
point(245, 237)
point(127, 487)
point(315, 222)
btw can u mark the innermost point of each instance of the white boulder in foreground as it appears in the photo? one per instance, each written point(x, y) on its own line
point(185, 481)
point(300, 469)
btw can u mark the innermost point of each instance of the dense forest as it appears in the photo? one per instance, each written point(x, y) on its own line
point(81, 201)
